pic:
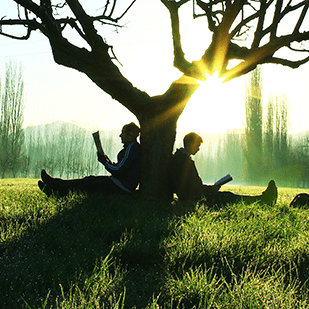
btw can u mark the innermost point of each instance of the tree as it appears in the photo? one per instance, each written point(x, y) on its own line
point(253, 138)
point(233, 154)
point(11, 120)
point(268, 143)
point(245, 30)
point(276, 139)
point(301, 159)
point(282, 121)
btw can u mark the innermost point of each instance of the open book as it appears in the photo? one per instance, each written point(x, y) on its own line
point(224, 180)
point(96, 137)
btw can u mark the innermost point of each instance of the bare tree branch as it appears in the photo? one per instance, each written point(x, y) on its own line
point(179, 56)
point(264, 54)
point(90, 33)
point(301, 17)
point(235, 14)
point(276, 19)
point(208, 12)
point(261, 18)
point(128, 8)
point(43, 13)
point(221, 15)
point(289, 63)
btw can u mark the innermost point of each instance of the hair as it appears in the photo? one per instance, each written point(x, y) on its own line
point(191, 138)
point(132, 128)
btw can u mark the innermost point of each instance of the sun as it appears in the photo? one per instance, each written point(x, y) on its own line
point(215, 107)
point(213, 80)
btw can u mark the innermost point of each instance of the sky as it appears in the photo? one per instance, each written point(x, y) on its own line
point(144, 48)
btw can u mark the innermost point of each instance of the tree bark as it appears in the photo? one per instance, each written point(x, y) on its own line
point(158, 132)
point(157, 140)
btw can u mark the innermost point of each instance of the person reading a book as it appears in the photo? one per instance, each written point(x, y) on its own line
point(188, 185)
point(125, 173)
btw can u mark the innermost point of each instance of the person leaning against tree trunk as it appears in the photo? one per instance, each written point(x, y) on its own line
point(125, 173)
point(187, 184)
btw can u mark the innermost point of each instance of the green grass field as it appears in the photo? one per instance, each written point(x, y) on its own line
point(120, 252)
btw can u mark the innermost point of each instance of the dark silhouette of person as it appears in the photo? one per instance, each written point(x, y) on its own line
point(125, 173)
point(301, 200)
point(188, 185)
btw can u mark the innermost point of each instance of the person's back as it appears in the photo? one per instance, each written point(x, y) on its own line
point(127, 169)
point(187, 184)
point(185, 181)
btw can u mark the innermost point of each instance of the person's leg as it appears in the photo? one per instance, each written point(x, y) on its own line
point(269, 196)
point(92, 184)
point(45, 188)
point(88, 184)
point(58, 183)
point(301, 200)
point(221, 198)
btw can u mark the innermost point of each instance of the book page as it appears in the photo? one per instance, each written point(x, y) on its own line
point(224, 180)
point(96, 137)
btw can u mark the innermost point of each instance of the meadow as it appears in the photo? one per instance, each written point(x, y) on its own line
point(106, 251)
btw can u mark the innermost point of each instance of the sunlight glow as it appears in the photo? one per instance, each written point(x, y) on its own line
point(214, 107)
point(214, 80)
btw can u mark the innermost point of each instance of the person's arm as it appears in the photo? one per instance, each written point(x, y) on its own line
point(129, 156)
point(212, 188)
point(103, 158)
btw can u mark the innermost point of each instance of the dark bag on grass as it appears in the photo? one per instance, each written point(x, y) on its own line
point(301, 200)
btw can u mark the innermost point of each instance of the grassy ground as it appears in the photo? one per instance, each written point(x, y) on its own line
point(120, 252)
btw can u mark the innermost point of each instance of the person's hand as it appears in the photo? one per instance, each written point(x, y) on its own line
point(216, 187)
point(101, 157)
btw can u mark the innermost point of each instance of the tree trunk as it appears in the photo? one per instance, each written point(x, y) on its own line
point(158, 123)
point(157, 140)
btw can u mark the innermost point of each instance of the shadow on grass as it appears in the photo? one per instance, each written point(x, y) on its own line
point(56, 253)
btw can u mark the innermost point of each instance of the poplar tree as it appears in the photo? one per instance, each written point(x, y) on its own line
point(253, 137)
point(11, 120)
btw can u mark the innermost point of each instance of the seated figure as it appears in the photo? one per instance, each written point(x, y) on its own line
point(188, 185)
point(125, 173)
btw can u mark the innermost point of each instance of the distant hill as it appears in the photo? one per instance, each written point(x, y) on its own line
point(210, 139)
point(62, 127)
point(54, 127)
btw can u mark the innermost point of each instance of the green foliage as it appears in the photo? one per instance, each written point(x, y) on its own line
point(108, 251)
point(65, 150)
point(267, 150)
point(253, 136)
point(11, 120)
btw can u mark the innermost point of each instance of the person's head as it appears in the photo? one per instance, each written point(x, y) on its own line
point(129, 133)
point(192, 143)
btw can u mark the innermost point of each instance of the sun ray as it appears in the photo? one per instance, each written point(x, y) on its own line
point(214, 107)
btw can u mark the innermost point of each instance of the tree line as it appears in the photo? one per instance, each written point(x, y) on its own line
point(65, 150)
point(262, 150)
point(11, 120)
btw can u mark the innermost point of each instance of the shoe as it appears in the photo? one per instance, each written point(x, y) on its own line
point(45, 188)
point(301, 200)
point(270, 195)
point(47, 179)
point(53, 183)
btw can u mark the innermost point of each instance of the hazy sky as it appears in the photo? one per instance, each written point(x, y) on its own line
point(144, 47)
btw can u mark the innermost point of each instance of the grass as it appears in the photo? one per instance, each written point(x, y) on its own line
point(120, 252)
